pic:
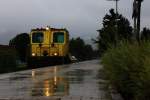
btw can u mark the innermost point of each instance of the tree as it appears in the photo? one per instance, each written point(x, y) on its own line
point(21, 42)
point(113, 30)
point(89, 51)
point(145, 34)
point(76, 47)
point(79, 49)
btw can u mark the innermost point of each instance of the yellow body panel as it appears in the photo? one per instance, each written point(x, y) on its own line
point(48, 45)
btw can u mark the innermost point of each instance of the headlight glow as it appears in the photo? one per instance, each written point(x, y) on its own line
point(47, 28)
point(55, 54)
point(33, 54)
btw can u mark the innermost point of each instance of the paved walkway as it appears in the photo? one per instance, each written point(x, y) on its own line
point(77, 81)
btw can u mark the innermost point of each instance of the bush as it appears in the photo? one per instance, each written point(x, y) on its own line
point(128, 68)
point(7, 61)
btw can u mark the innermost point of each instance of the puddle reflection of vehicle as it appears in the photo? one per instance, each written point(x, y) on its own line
point(53, 86)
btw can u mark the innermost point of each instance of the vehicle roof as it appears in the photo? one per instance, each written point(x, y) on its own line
point(52, 29)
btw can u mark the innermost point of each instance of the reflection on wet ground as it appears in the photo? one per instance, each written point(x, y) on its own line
point(68, 82)
point(77, 76)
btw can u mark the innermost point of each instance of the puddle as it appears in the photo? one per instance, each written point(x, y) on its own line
point(54, 86)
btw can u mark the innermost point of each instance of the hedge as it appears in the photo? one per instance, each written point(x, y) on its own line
point(128, 69)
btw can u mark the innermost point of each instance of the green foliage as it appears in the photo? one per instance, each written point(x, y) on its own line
point(128, 68)
point(7, 60)
point(115, 28)
point(20, 42)
point(80, 50)
point(145, 34)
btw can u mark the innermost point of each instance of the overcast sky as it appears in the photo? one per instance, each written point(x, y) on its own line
point(81, 17)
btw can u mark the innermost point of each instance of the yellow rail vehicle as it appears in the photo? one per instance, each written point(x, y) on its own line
point(49, 45)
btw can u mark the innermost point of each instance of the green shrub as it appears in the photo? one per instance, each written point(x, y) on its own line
point(128, 68)
point(7, 61)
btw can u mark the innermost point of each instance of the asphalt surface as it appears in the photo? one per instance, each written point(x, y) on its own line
point(78, 81)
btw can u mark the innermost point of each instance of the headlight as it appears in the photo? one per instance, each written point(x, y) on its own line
point(33, 54)
point(55, 54)
point(47, 28)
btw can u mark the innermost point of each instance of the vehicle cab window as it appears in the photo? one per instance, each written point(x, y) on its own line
point(58, 37)
point(37, 37)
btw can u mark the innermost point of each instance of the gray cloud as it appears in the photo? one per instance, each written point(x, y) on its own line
point(80, 17)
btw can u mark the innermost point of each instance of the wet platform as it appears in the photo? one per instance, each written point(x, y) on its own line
point(78, 81)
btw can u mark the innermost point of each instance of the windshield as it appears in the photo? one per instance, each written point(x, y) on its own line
point(58, 37)
point(37, 37)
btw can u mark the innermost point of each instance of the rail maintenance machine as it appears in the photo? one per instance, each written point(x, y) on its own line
point(48, 46)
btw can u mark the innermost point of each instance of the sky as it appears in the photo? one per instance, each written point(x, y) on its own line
point(81, 17)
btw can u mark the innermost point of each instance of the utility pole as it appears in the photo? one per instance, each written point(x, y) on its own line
point(116, 5)
point(116, 35)
point(137, 16)
point(134, 16)
point(139, 19)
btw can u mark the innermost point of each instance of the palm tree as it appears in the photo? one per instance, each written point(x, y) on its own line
point(139, 18)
